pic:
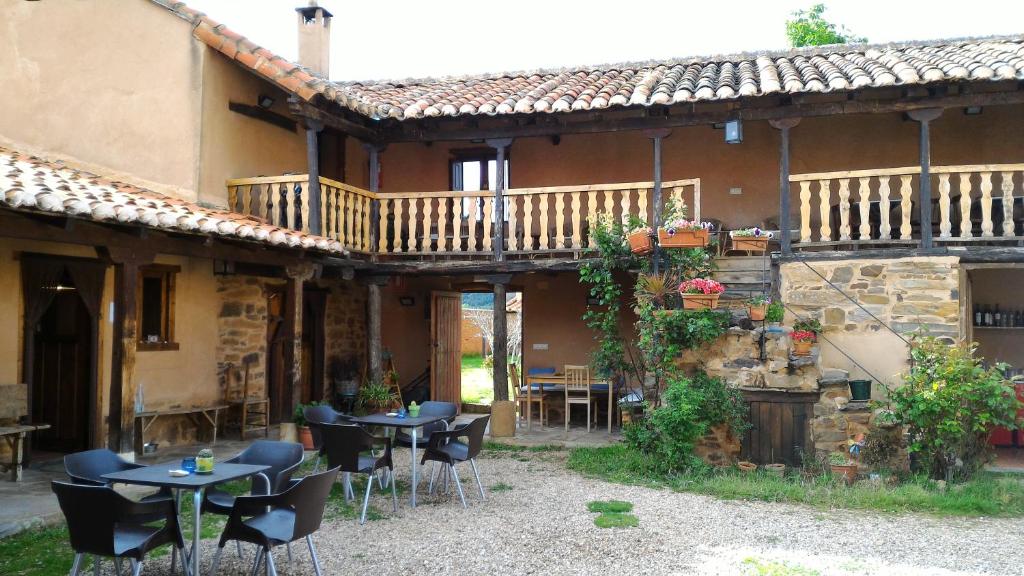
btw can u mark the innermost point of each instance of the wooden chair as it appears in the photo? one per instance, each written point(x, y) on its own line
point(577, 379)
point(523, 396)
point(253, 409)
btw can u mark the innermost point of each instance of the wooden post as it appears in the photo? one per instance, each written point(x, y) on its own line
point(924, 116)
point(656, 137)
point(373, 326)
point(783, 125)
point(298, 274)
point(373, 151)
point(123, 385)
point(499, 144)
point(313, 165)
point(499, 346)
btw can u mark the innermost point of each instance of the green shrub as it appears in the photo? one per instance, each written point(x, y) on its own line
point(949, 402)
point(775, 312)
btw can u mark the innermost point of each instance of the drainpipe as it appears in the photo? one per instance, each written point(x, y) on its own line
point(924, 116)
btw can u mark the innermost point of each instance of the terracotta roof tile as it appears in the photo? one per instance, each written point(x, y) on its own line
point(817, 69)
point(31, 183)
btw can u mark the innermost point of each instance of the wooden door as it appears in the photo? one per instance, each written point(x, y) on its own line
point(61, 374)
point(314, 304)
point(446, 347)
point(279, 389)
point(779, 427)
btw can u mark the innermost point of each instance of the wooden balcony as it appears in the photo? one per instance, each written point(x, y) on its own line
point(970, 204)
point(538, 221)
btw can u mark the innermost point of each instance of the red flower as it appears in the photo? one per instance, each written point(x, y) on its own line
point(803, 336)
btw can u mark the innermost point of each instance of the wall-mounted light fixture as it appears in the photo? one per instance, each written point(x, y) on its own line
point(972, 110)
point(264, 101)
point(734, 131)
point(406, 300)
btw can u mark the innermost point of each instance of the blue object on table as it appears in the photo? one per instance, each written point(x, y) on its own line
point(189, 465)
point(402, 413)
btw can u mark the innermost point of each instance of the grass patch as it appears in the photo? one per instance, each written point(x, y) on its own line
point(477, 383)
point(610, 506)
point(515, 449)
point(614, 520)
point(758, 567)
point(43, 552)
point(501, 487)
point(987, 495)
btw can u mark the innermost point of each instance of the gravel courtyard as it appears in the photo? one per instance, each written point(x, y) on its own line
point(537, 523)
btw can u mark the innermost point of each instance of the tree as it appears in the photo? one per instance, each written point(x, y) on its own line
point(809, 28)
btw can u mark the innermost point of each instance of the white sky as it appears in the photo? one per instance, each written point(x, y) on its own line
point(408, 39)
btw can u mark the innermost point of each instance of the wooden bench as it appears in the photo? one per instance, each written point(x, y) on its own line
point(15, 438)
point(210, 413)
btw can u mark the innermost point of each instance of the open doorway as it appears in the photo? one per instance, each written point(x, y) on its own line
point(478, 339)
point(61, 332)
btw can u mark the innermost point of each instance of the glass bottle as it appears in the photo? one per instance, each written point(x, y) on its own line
point(987, 316)
point(977, 314)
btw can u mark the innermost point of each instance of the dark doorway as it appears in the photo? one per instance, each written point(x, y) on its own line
point(62, 366)
point(314, 304)
point(279, 388)
point(779, 427)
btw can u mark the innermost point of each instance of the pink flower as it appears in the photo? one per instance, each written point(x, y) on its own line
point(701, 286)
point(803, 336)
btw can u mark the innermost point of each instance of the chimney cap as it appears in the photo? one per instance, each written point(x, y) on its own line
point(309, 12)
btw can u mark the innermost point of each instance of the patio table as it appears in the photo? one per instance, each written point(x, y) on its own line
point(158, 475)
point(382, 419)
point(556, 383)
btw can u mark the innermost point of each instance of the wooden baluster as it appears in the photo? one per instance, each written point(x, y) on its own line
point(986, 204)
point(270, 204)
point(284, 211)
point(625, 203)
point(382, 241)
point(844, 208)
point(643, 206)
point(884, 228)
point(428, 216)
point(414, 225)
point(945, 222)
point(864, 205)
point(696, 200)
point(609, 203)
point(966, 225)
point(577, 229)
point(545, 233)
point(825, 209)
point(303, 200)
point(325, 210)
point(1007, 187)
point(591, 216)
point(474, 217)
point(805, 211)
point(399, 209)
point(233, 197)
point(527, 222)
point(365, 207)
point(488, 217)
point(246, 200)
point(348, 213)
point(512, 213)
point(559, 220)
point(443, 214)
point(906, 191)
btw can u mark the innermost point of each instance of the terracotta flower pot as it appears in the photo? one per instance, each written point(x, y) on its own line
point(700, 301)
point(640, 242)
point(848, 472)
point(802, 347)
point(750, 243)
point(306, 438)
point(683, 238)
point(775, 469)
point(747, 467)
point(757, 313)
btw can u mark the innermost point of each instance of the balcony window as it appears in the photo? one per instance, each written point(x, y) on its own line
point(473, 171)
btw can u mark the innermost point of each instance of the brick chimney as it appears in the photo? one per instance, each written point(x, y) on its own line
point(315, 38)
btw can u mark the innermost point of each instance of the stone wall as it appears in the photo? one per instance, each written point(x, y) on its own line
point(736, 358)
point(345, 326)
point(242, 326)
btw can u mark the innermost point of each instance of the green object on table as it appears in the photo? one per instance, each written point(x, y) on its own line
point(204, 461)
point(414, 409)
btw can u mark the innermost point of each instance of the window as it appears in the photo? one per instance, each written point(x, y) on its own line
point(155, 302)
point(475, 170)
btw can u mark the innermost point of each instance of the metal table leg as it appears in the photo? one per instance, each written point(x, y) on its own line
point(197, 502)
point(415, 480)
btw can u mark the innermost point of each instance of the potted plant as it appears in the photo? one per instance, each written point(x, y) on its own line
point(683, 233)
point(299, 418)
point(655, 288)
point(773, 316)
point(750, 239)
point(860, 390)
point(802, 342)
point(775, 469)
point(757, 308)
point(204, 461)
point(843, 465)
point(377, 395)
point(746, 467)
point(700, 293)
point(641, 240)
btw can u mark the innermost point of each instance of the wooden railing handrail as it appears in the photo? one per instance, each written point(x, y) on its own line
point(905, 171)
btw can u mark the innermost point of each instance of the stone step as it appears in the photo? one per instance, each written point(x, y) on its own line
point(834, 377)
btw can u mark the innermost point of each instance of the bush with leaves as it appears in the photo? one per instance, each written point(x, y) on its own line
point(949, 403)
point(690, 408)
point(810, 28)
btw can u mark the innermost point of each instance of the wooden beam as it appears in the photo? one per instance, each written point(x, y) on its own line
point(500, 145)
point(313, 198)
point(499, 345)
point(373, 327)
point(681, 115)
point(924, 117)
point(783, 125)
point(463, 267)
point(308, 111)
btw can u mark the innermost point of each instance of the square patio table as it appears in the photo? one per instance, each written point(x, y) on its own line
point(382, 419)
point(158, 475)
point(542, 383)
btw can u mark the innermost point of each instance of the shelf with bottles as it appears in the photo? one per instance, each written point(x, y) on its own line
point(990, 316)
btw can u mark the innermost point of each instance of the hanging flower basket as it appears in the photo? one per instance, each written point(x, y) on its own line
point(684, 234)
point(640, 242)
point(700, 293)
point(750, 239)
